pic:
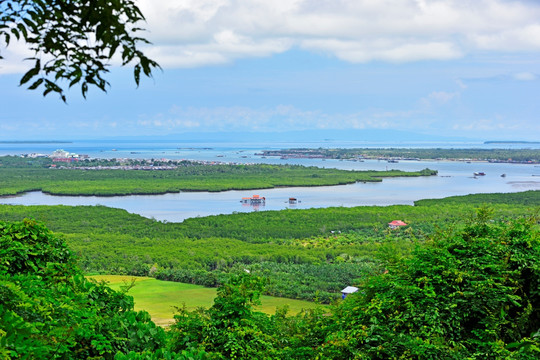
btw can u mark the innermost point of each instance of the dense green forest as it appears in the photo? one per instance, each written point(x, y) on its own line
point(502, 155)
point(20, 175)
point(469, 291)
point(305, 254)
point(529, 198)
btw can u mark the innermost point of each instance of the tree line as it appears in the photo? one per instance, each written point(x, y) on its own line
point(469, 291)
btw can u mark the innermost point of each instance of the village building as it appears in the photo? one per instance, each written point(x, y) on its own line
point(348, 290)
point(60, 153)
point(396, 224)
point(63, 156)
point(254, 200)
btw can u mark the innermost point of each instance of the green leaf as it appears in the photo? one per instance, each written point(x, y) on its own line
point(36, 84)
point(22, 29)
point(16, 33)
point(31, 73)
point(137, 74)
point(31, 24)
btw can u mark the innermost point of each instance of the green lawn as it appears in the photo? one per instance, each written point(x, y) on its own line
point(160, 298)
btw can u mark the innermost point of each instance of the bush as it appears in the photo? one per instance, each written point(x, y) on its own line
point(49, 310)
point(472, 292)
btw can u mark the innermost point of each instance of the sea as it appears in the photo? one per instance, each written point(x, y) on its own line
point(454, 177)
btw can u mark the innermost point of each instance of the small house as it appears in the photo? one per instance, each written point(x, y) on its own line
point(348, 290)
point(254, 200)
point(396, 224)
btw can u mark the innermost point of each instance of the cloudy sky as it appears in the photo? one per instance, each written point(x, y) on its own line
point(466, 68)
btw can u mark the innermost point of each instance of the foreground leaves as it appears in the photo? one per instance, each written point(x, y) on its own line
point(74, 41)
point(49, 310)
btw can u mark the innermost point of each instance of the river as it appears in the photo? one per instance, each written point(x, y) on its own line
point(454, 178)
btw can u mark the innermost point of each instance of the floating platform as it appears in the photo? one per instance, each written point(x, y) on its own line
point(254, 200)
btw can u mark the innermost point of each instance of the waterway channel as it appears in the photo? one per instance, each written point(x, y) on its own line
point(454, 178)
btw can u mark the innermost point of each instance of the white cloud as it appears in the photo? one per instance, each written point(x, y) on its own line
point(13, 61)
point(498, 125)
point(278, 118)
point(443, 97)
point(190, 33)
point(202, 32)
point(437, 98)
point(462, 85)
point(388, 50)
point(9, 126)
point(523, 38)
point(525, 76)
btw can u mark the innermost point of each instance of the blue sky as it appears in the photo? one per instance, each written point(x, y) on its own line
point(444, 68)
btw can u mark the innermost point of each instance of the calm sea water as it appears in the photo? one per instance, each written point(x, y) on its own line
point(455, 178)
point(224, 151)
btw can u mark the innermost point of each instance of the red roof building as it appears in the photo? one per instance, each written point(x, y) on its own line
point(395, 224)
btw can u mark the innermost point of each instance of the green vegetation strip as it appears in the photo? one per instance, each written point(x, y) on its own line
point(303, 254)
point(161, 298)
point(22, 175)
point(496, 155)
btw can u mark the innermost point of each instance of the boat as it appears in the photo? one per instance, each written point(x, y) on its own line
point(479, 173)
point(503, 175)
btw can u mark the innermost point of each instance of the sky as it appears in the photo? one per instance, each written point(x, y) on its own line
point(457, 68)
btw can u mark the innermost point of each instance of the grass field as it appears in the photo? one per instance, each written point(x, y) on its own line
point(160, 298)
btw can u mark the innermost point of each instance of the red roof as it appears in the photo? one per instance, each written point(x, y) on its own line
point(397, 223)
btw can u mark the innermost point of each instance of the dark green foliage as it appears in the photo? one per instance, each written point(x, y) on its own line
point(229, 328)
point(74, 41)
point(528, 198)
point(49, 310)
point(468, 291)
point(29, 247)
point(18, 162)
point(471, 292)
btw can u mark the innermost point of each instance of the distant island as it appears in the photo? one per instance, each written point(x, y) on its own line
point(518, 156)
point(36, 142)
point(511, 142)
